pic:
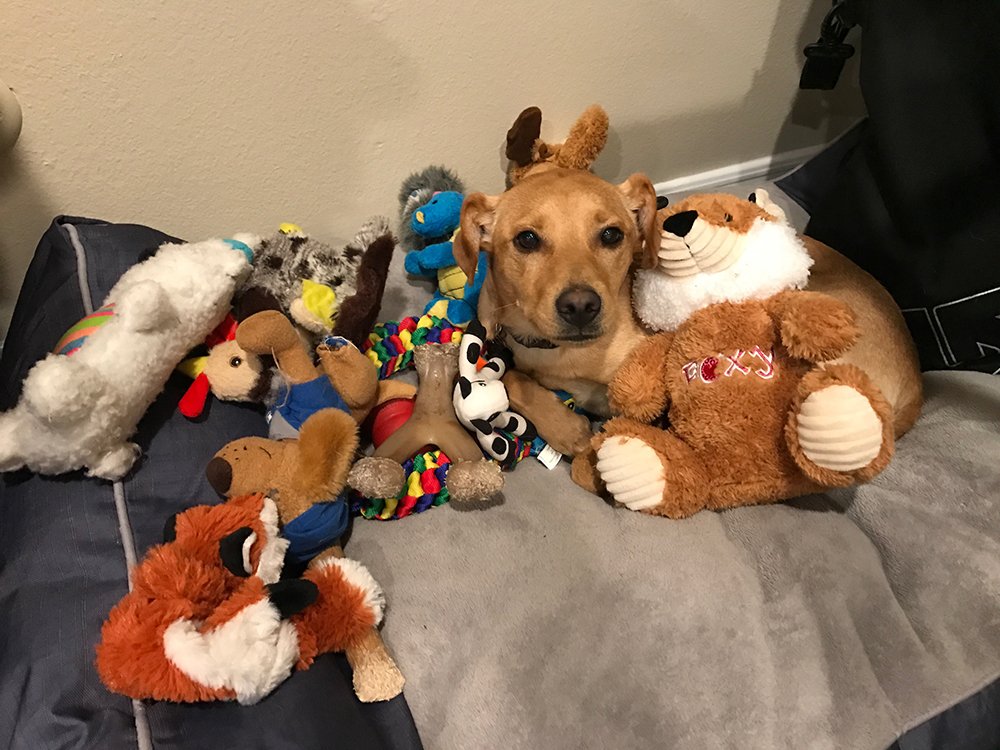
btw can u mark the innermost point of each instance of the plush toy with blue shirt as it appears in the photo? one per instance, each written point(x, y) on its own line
point(436, 222)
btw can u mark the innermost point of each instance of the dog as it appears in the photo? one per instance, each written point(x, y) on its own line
point(563, 246)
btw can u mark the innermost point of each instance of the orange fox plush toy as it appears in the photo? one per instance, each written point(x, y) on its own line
point(739, 399)
point(208, 618)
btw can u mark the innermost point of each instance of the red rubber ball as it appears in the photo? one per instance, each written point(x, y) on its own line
point(389, 417)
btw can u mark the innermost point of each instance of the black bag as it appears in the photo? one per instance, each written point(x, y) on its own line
point(912, 194)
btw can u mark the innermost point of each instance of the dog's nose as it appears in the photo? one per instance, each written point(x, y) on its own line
point(578, 306)
point(219, 474)
point(680, 224)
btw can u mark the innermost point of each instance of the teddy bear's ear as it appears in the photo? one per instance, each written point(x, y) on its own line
point(640, 198)
point(522, 136)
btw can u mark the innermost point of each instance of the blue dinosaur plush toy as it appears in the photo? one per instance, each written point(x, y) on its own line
point(456, 297)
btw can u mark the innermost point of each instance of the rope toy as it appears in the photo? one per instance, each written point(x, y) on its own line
point(390, 348)
point(390, 345)
point(425, 489)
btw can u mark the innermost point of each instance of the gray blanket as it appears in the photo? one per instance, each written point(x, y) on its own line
point(552, 620)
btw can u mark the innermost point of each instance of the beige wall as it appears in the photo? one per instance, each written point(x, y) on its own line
point(208, 118)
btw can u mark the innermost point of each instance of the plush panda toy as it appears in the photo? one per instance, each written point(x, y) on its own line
point(480, 398)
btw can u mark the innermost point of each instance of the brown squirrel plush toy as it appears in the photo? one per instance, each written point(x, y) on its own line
point(739, 398)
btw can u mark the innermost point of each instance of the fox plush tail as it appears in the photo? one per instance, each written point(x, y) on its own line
point(349, 604)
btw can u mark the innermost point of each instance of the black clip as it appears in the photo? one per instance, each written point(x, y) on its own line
point(825, 59)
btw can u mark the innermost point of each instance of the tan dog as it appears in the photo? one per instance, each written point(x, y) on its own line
point(559, 291)
point(562, 244)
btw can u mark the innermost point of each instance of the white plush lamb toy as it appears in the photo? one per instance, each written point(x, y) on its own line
point(480, 398)
point(80, 405)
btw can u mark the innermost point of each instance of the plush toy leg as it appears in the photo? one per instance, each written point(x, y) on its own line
point(145, 307)
point(459, 312)
point(346, 621)
point(567, 432)
point(647, 469)
point(352, 375)
point(584, 471)
point(839, 429)
point(438, 306)
point(116, 463)
point(62, 389)
point(270, 332)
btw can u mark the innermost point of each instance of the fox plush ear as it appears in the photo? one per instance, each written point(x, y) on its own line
point(476, 230)
point(640, 198)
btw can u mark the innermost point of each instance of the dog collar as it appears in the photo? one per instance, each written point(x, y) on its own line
point(529, 342)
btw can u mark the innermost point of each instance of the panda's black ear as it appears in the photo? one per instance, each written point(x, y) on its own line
point(464, 386)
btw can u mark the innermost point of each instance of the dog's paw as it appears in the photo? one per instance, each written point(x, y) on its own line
point(632, 472)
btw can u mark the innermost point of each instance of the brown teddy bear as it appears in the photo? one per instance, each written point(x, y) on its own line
point(303, 466)
point(739, 399)
point(528, 152)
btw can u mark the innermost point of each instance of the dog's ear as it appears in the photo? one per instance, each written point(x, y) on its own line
point(640, 198)
point(476, 229)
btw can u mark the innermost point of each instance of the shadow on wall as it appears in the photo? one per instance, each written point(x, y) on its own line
point(24, 213)
point(829, 113)
point(814, 117)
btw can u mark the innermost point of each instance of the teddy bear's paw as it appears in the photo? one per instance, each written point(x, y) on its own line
point(838, 429)
point(632, 472)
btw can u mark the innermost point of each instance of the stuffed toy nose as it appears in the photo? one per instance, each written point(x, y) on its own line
point(420, 216)
point(219, 474)
point(680, 224)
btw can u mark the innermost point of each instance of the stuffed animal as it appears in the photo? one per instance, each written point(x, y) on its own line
point(480, 397)
point(303, 466)
point(744, 371)
point(436, 221)
point(207, 617)
point(527, 152)
point(433, 422)
point(81, 404)
point(305, 278)
point(416, 190)
point(231, 373)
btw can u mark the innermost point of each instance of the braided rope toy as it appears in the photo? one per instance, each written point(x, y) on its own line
point(390, 348)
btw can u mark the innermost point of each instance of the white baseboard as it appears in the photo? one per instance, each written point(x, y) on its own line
point(763, 167)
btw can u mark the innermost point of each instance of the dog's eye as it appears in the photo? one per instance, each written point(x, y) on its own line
point(235, 361)
point(611, 236)
point(729, 217)
point(527, 240)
